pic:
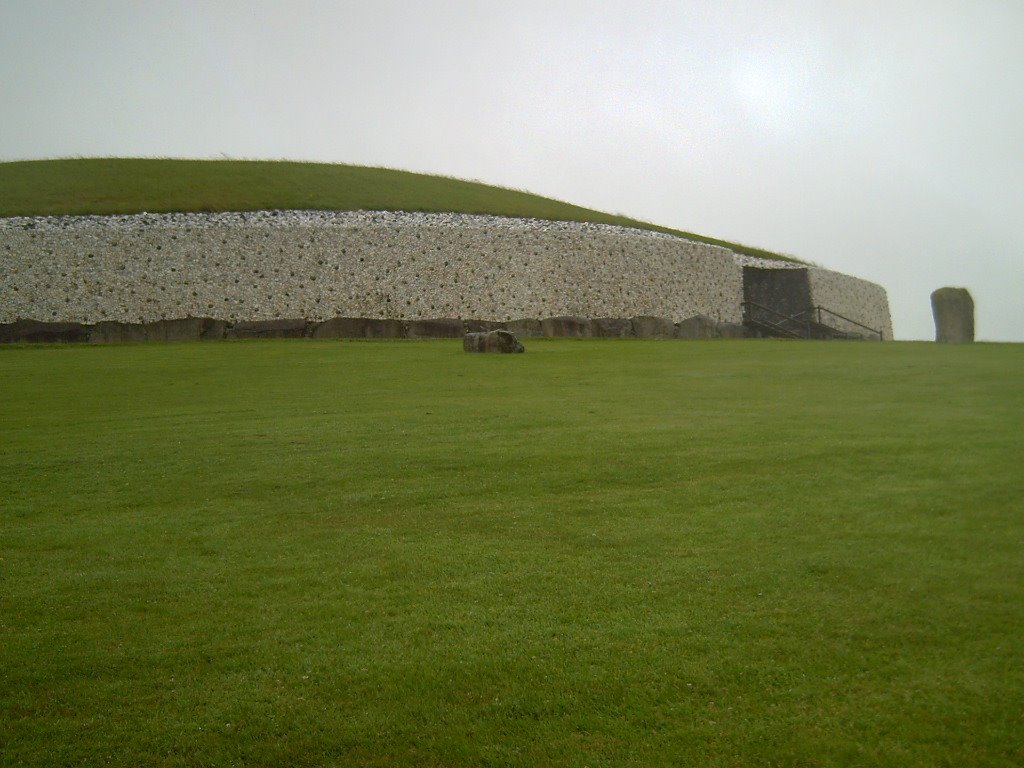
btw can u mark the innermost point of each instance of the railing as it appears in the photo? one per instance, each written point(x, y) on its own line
point(805, 324)
point(819, 310)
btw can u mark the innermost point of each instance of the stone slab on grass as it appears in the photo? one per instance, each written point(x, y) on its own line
point(499, 340)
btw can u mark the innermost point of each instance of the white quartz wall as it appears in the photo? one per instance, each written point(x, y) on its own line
point(857, 299)
point(317, 265)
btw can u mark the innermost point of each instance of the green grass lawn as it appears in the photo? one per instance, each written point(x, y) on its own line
point(124, 185)
point(598, 553)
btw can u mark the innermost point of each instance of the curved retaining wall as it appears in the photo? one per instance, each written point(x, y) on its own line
point(859, 300)
point(241, 267)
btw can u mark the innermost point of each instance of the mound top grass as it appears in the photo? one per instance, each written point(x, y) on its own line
point(106, 186)
point(598, 553)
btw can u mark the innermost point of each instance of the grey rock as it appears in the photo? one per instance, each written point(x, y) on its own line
point(358, 328)
point(613, 327)
point(183, 329)
point(953, 310)
point(340, 328)
point(213, 329)
point(268, 329)
point(436, 328)
point(525, 327)
point(574, 327)
point(112, 332)
point(498, 340)
point(697, 327)
point(36, 331)
point(732, 330)
point(647, 327)
point(384, 328)
point(482, 326)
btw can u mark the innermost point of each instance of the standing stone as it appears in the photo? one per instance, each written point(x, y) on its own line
point(953, 309)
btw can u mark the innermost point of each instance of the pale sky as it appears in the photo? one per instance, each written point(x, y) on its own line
point(880, 139)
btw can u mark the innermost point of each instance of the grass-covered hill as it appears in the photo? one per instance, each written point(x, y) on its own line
point(118, 185)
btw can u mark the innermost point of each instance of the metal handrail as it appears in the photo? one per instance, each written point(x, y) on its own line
point(777, 325)
point(803, 319)
point(847, 319)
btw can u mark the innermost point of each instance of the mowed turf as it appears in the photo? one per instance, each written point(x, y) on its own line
point(132, 185)
point(307, 553)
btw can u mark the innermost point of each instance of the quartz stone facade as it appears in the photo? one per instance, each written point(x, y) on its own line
point(267, 265)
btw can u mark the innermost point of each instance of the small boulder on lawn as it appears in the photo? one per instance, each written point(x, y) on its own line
point(498, 340)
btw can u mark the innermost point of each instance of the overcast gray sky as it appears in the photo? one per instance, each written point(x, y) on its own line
point(879, 139)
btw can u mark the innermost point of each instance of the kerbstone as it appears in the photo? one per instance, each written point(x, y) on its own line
point(110, 332)
point(36, 331)
point(697, 327)
point(434, 328)
point(525, 327)
point(612, 327)
point(648, 327)
point(293, 328)
point(573, 327)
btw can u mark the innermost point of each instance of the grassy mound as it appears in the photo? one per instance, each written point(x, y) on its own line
point(398, 554)
point(110, 186)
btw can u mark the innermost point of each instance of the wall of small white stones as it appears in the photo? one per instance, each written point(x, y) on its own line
point(853, 298)
point(317, 265)
point(861, 301)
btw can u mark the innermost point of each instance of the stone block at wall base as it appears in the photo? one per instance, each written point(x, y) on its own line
point(380, 328)
point(647, 327)
point(565, 326)
point(525, 327)
point(697, 327)
point(340, 328)
point(612, 327)
point(36, 331)
point(482, 326)
point(185, 329)
point(358, 328)
point(435, 328)
point(113, 332)
point(733, 331)
point(268, 329)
